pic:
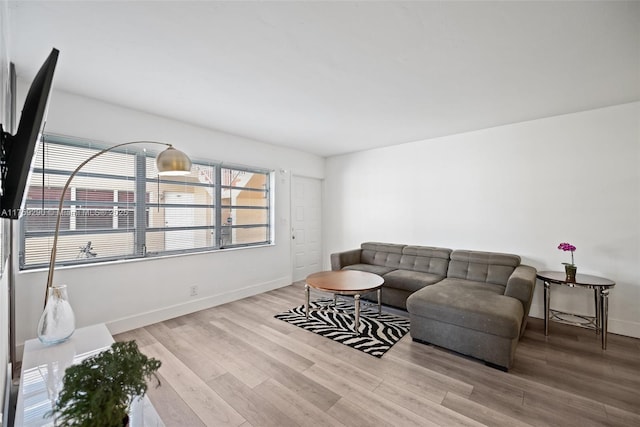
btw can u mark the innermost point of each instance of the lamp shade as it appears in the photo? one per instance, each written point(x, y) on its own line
point(173, 162)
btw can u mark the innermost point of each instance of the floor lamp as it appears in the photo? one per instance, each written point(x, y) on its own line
point(57, 322)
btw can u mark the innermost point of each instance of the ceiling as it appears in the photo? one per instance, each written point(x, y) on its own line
point(336, 77)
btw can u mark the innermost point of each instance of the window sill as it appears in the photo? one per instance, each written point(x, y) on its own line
point(144, 259)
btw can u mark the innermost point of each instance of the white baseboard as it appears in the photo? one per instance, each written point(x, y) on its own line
point(616, 326)
point(143, 319)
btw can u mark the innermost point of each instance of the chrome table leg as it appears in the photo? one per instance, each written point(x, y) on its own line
point(379, 303)
point(547, 298)
point(604, 300)
point(598, 325)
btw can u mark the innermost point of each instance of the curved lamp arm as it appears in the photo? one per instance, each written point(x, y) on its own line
point(176, 162)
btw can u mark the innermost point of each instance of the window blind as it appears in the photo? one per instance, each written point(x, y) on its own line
point(97, 217)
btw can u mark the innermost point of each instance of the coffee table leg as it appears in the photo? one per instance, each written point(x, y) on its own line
point(379, 303)
point(547, 297)
point(356, 299)
point(306, 300)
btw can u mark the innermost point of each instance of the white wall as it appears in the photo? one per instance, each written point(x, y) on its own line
point(130, 294)
point(521, 188)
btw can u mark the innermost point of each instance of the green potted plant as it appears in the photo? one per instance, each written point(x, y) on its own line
point(99, 391)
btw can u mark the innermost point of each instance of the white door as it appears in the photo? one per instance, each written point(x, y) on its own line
point(179, 217)
point(306, 222)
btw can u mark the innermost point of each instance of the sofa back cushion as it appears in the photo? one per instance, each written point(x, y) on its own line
point(488, 267)
point(425, 259)
point(384, 254)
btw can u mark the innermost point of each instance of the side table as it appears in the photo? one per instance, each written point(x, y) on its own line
point(600, 288)
point(43, 369)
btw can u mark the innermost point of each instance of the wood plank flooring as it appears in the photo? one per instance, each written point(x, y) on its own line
point(237, 365)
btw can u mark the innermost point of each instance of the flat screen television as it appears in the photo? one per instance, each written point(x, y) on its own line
point(16, 151)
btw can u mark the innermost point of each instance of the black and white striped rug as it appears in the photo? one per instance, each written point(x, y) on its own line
point(378, 333)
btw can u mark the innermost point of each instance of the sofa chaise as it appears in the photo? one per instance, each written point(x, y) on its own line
point(474, 303)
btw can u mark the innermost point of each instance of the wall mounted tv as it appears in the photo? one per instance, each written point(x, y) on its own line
point(16, 151)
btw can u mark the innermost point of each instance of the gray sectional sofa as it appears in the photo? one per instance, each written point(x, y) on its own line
point(475, 303)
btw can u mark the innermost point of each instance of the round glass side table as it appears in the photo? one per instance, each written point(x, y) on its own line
point(600, 287)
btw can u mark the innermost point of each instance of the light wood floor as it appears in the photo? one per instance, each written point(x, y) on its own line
point(236, 364)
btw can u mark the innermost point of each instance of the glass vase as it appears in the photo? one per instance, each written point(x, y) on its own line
point(57, 321)
point(570, 271)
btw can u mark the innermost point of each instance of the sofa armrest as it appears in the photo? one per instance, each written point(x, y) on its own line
point(521, 284)
point(342, 259)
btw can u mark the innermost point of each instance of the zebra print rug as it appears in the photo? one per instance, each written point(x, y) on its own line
point(377, 333)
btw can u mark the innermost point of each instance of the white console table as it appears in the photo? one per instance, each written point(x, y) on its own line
point(43, 369)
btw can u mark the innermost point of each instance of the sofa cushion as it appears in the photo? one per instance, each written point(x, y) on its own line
point(489, 267)
point(375, 269)
point(410, 280)
point(384, 254)
point(426, 259)
point(473, 305)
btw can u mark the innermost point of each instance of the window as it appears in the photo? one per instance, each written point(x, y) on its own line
point(117, 207)
point(180, 214)
point(245, 207)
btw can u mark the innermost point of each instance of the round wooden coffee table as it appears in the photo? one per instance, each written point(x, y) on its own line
point(344, 282)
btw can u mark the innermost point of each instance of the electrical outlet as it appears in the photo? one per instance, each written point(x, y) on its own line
point(193, 290)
